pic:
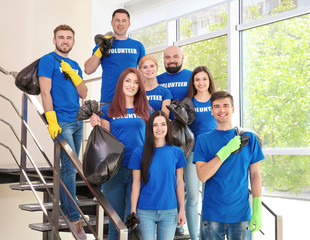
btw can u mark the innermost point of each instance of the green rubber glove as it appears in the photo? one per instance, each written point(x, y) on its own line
point(230, 147)
point(75, 78)
point(53, 128)
point(256, 215)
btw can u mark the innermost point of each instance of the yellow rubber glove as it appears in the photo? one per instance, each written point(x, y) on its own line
point(230, 147)
point(98, 53)
point(75, 78)
point(256, 215)
point(53, 128)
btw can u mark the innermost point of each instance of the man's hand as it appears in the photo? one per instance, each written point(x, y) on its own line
point(230, 147)
point(105, 44)
point(75, 78)
point(256, 215)
point(53, 128)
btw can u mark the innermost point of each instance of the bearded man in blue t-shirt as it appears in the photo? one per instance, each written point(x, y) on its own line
point(125, 53)
point(62, 87)
point(176, 79)
point(225, 166)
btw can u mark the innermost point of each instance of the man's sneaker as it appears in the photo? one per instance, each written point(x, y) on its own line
point(77, 227)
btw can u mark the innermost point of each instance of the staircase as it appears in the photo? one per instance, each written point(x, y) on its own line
point(95, 213)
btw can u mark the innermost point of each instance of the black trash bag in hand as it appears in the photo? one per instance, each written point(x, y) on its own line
point(182, 137)
point(27, 79)
point(87, 109)
point(105, 42)
point(245, 138)
point(102, 157)
point(183, 111)
point(132, 220)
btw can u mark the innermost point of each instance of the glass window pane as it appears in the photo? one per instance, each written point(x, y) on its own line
point(212, 53)
point(160, 61)
point(152, 36)
point(276, 82)
point(203, 22)
point(255, 9)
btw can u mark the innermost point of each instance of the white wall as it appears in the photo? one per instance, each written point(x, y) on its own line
point(26, 34)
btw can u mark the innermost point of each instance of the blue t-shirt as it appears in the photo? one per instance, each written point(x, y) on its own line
point(130, 130)
point(204, 120)
point(176, 83)
point(156, 97)
point(226, 195)
point(64, 94)
point(159, 193)
point(124, 54)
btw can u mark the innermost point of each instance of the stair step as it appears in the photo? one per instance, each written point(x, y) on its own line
point(40, 186)
point(32, 207)
point(43, 227)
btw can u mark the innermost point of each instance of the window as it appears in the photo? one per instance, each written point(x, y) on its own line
point(212, 53)
point(276, 97)
point(203, 22)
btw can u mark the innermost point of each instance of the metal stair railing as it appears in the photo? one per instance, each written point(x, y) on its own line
point(60, 143)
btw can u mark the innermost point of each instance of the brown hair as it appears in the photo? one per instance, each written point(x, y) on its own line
point(63, 27)
point(121, 10)
point(220, 95)
point(118, 105)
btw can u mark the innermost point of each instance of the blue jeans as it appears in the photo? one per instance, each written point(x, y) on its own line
point(217, 231)
point(118, 192)
point(191, 182)
point(166, 221)
point(72, 132)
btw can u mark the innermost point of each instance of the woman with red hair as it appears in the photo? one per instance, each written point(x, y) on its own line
point(125, 118)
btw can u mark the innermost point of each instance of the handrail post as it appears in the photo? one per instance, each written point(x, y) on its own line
point(55, 213)
point(24, 117)
point(279, 228)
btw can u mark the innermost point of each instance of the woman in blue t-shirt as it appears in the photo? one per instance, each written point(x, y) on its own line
point(125, 118)
point(158, 186)
point(158, 96)
point(200, 88)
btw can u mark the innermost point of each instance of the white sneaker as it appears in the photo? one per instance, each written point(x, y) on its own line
point(77, 227)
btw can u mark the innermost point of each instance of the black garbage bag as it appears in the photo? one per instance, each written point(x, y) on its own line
point(105, 42)
point(182, 137)
point(183, 111)
point(245, 138)
point(102, 157)
point(132, 220)
point(27, 79)
point(87, 109)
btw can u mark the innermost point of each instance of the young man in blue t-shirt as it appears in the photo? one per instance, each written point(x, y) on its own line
point(226, 209)
point(125, 53)
point(60, 97)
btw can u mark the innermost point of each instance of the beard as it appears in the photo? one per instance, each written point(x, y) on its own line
point(63, 51)
point(173, 70)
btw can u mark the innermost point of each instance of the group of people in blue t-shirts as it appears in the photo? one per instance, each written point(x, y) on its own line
point(156, 181)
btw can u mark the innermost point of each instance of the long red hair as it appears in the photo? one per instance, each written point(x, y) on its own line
point(118, 105)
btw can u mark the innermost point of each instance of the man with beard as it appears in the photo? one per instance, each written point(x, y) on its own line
point(61, 87)
point(125, 53)
point(175, 78)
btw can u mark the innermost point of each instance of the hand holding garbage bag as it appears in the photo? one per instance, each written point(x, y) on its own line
point(132, 221)
point(104, 153)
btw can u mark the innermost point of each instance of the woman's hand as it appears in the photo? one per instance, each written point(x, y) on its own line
point(94, 120)
point(181, 218)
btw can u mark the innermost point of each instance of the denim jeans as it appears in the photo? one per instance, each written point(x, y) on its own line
point(166, 221)
point(72, 132)
point(118, 192)
point(191, 182)
point(217, 231)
